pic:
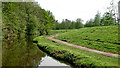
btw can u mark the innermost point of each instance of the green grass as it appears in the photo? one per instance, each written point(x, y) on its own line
point(103, 38)
point(53, 32)
point(75, 56)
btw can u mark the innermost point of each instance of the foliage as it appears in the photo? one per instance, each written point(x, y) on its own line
point(108, 18)
point(97, 20)
point(25, 18)
point(89, 23)
point(79, 24)
point(68, 24)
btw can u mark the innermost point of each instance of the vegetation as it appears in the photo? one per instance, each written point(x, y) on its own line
point(101, 38)
point(53, 32)
point(28, 18)
point(94, 22)
point(77, 57)
point(108, 18)
point(25, 18)
point(21, 18)
point(68, 24)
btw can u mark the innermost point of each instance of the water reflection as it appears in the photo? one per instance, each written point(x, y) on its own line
point(48, 61)
point(21, 52)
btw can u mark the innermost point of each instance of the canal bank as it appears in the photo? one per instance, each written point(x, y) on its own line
point(76, 57)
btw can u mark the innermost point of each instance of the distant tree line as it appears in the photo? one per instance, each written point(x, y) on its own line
point(25, 18)
point(68, 24)
point(108, 18)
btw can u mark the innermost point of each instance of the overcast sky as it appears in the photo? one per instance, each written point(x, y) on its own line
point(73, 9)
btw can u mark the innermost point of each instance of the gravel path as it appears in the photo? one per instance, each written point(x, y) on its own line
point(83, 48)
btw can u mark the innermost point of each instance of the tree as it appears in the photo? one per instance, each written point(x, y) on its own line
point(113, 10)
point(97, 19)
point(26, 18)
point(79, 24)
point(107, 19)
point(72, 26)
point(89, 23)
point(57, 25)
point(68, 24)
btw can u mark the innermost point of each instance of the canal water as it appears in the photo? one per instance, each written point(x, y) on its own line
point(23, 52)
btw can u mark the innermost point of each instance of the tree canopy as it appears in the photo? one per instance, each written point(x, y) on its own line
point(26, 18)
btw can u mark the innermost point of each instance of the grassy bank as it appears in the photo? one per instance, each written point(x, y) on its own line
point(103, 38)
point(75, 56)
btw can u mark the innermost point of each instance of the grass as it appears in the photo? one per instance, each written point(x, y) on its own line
point(75, 56)
point(53, 32)
point(103, 38)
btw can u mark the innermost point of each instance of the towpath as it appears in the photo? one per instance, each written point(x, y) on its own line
point(83, 48)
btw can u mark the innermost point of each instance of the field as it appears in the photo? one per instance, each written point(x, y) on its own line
point(103, 38)
point(99, 38)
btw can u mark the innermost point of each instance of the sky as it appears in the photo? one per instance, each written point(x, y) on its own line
point(73, 9)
